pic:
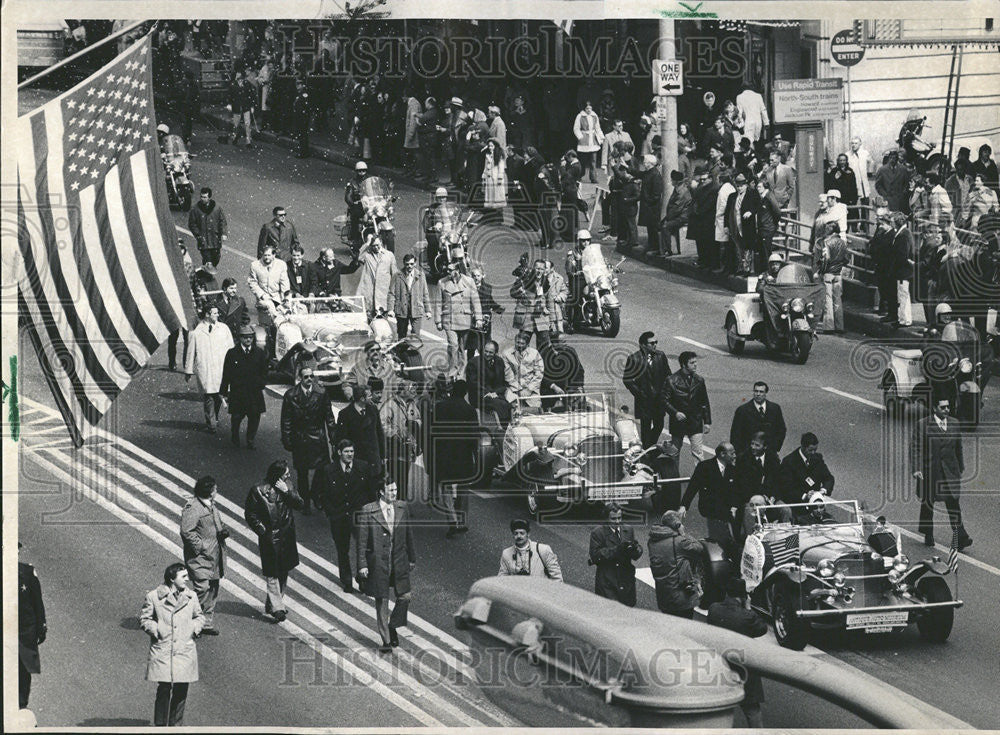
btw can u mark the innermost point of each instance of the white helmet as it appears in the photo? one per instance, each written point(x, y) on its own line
point(440, 192)
point(942, 309)
point(161, 128)
point(775, 258)
point(361, 166)
point(583, 235)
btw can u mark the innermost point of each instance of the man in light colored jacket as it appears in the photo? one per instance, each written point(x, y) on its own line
point(378, 266)
point(527, 558)
point(589, 138)
point(208, 344)
point(459, 311)
point(409, 298)
point(523, 369)
point(268, 281)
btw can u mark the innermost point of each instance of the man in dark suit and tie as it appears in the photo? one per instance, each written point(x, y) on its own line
point(341, 489)
point(714, 482)
point(759, 414)
point(386, 557)
point(487, 382)
point(645, 376)
point(804, 472)
point(757, 473)
point(938, 465)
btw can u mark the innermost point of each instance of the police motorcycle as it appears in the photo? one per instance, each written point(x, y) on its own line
point(447, 229)
point(176, 166)
point(919, 152)
point(599, 305)
point(376, 200)
point(781, 310)
point(952, 363)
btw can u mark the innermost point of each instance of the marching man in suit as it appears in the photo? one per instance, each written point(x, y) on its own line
point(938, 465)
point(386, 557)
point(759, 414)
point(613, 548)
point(645, 376)
point(714, 482)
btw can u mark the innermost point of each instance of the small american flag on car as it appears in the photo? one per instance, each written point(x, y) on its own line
point(784, 550)
point(953, 554)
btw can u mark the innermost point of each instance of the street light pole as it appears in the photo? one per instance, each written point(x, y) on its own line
point(668, 124)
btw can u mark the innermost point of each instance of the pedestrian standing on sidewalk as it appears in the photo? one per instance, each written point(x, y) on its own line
point(494, 182)
point(628, 229)
point(302, 113)
point(172, 618)
point(613, 548)
point(589, 138)
point(244, 373)
point(650, 199)
point(701, 222)
point(204, 537)
point(768, 219)
point(900, 269)
point(210, 342)
point(879, 248)
point(678, 215)
point(268, 512)
point(411, 144)
point(726, 189)
point(207, 223)
point(688, 406)
point(386, 558)
point(242, 100)
point(833, 258)
point(307, 423)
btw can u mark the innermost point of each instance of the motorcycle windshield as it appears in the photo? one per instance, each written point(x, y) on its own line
point(449, 215)
point(593, 264)
point(374, 193)
point(773, 295)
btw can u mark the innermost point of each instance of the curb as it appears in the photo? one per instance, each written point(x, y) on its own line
point(855, 319)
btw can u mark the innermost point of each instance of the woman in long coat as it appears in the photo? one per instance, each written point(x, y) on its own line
point(172, 618)
point(268, 512)
point(494, 182)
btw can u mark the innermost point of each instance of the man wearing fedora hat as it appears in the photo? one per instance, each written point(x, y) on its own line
point(244, 373)
point(741, 221)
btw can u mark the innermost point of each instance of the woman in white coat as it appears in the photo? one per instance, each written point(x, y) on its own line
point(589, 138)
point(494, 182)
point(208, 344)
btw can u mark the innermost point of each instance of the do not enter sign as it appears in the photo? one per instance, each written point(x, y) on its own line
point(845, 50)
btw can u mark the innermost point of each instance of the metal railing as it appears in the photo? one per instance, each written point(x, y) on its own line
point(799, 245)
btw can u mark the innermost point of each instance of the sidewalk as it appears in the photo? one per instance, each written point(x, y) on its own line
point(858, 317)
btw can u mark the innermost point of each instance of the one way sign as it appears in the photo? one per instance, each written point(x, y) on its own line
point(668, 77)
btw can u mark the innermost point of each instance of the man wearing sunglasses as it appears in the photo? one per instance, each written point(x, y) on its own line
point(279, 233)
point(645, 376)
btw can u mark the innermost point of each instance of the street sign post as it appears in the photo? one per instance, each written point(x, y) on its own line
point(668, 77)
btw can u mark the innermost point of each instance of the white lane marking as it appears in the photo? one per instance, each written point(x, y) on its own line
point(423, 332)
point(356, 673)
point(701, 345)
point(853, 397)
point(188, 481)
point(645, 575)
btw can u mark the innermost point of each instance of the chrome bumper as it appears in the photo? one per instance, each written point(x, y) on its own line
point(916, 607)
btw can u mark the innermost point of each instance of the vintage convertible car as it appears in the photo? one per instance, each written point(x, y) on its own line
point(573, 449)
point(333, 334)
point(824, 565)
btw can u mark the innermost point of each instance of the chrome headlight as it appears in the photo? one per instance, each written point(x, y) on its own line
point(965, 365)
point(569, 452)
point(809, 308)
point(798, 304)
point(614, 281)
point(839, 579)
point(900, 563)
point(178, 166)
point(826, 568)
point(784, 308)
point(895, 575)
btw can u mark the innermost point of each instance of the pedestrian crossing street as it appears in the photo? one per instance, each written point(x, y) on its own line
point(428, 677)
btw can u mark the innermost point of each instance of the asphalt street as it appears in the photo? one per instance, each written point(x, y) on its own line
point(95, 573)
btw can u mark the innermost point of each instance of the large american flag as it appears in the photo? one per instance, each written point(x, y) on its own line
point(784, 550)
point(101, 283)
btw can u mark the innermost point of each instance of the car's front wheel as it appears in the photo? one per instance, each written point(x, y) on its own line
point(789, 629)
point(936, 623)
point(734, 341)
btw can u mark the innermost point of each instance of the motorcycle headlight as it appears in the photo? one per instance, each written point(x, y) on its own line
point(614, 282)
point(826, 568)
point(965, 365)
point(178, 166)
point(798, 304)
point(390, 211)
point(438, 227)
point(894, 576)
point(900, 563)
point(839, 579)
point(784, 308)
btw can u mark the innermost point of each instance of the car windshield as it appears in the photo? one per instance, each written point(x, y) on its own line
point(826, 513)
point(793, 273)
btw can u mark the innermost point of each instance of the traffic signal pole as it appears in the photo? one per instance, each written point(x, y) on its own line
point(668, 124)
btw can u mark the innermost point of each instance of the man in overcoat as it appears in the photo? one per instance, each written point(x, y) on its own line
point(208, 345)
point(268, 512)
point(645, 376)
point(279, 233)
point(360, 422)
point(938, 465)
point(454, 433)
point(409, 298)
point(613, 548)
point(204, 535)
point(31, 628)
point(534, 305)
point(386, 558)
point(244, 374)
point(341, 489)
point(741, 221)
point(207, 223)
point(459, 311)
point(306, 426)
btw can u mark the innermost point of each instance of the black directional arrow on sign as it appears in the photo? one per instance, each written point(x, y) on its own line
point(665, 87)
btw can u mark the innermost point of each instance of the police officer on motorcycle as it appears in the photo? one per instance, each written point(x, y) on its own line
point(774, 264)
point(575, 278)
point(431, 219)
point(352, 197)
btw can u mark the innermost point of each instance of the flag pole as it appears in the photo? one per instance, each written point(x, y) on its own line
point(78, 54)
